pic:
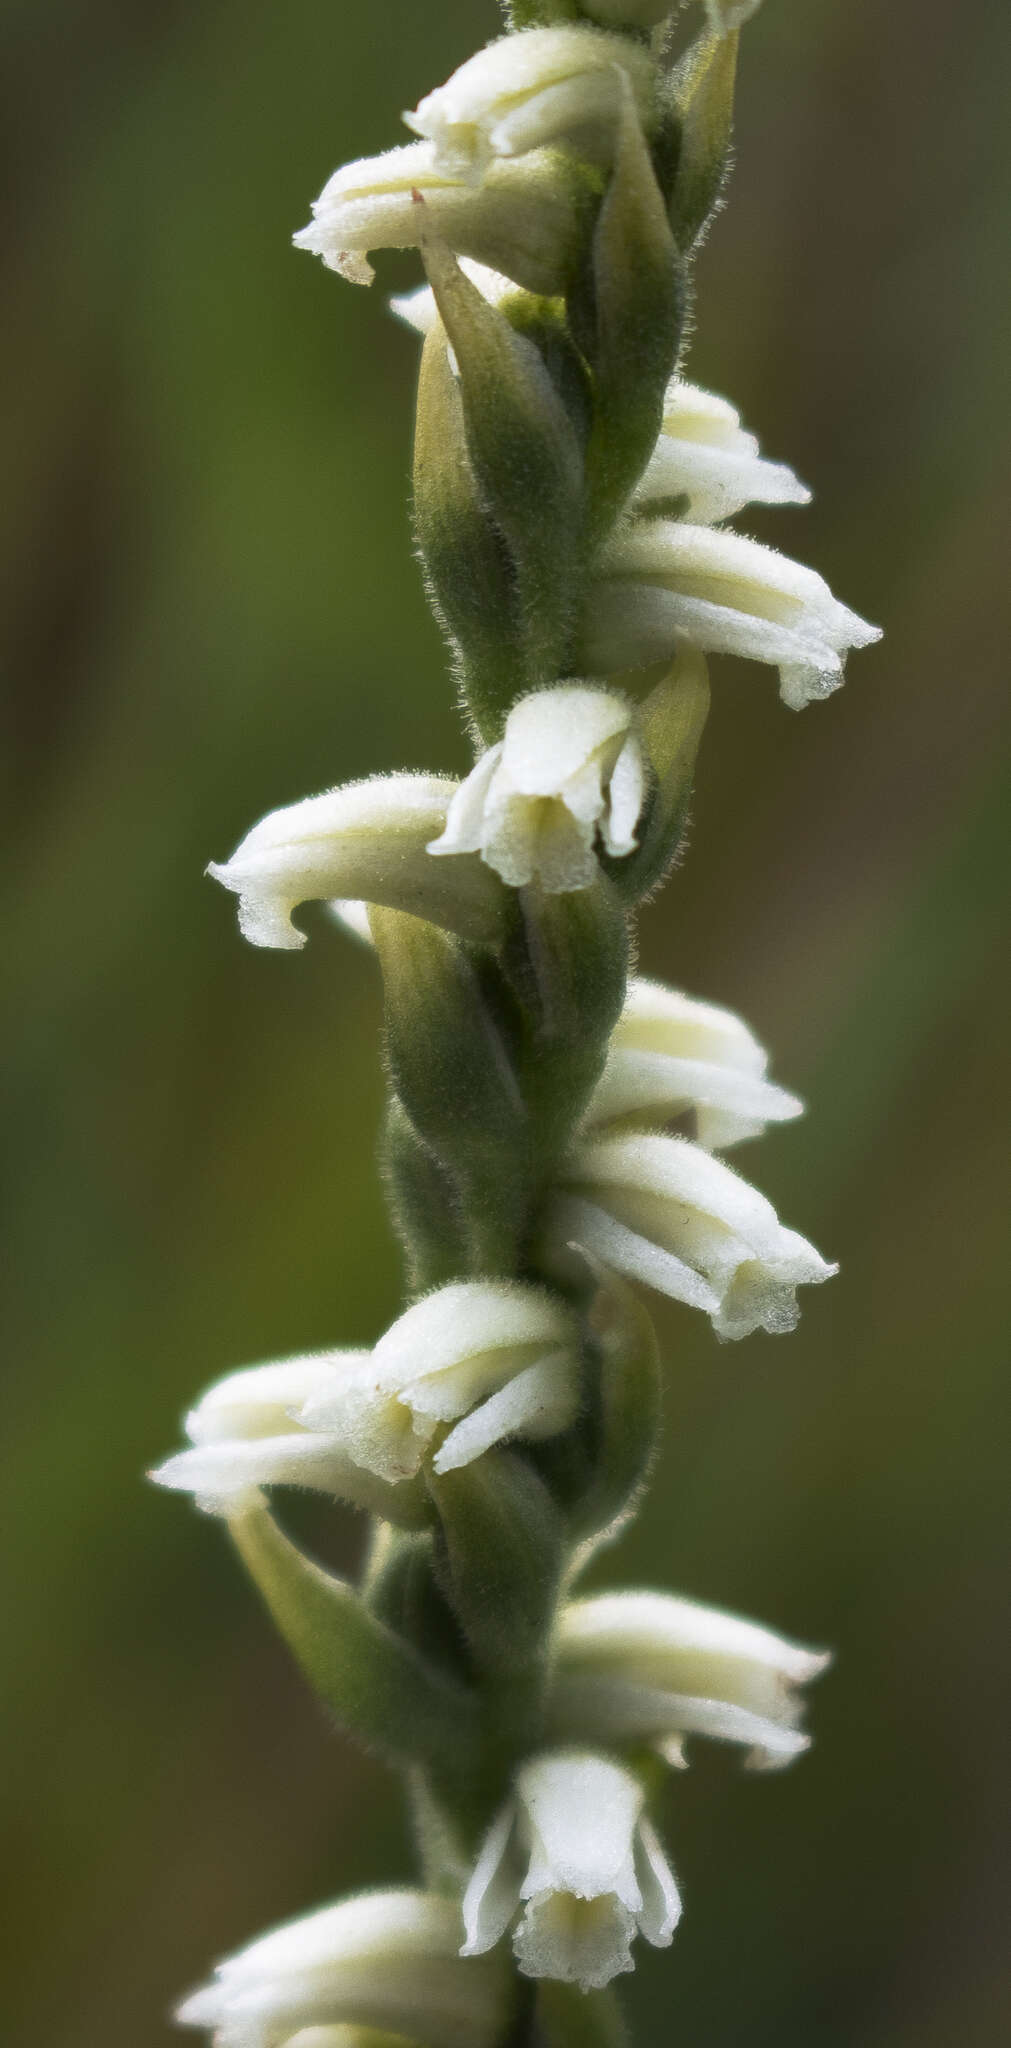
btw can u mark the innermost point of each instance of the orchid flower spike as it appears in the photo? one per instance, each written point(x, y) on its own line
point(525, 91)
point(244, 1435)
point(569, 769)
point(704, 456)
point(662, 1210)
point(571, 1863)
point(662, 581)
point(366, 841)
point(474, 1364)
point(385, 1959)
point(671, 1054)
point(646, 1667)
point(527, 218)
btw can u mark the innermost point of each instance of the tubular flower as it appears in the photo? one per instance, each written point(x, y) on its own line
point(634, 1667)
point(244, 1435)
point(484, 1359)
point(524, 91)
point(366, 841)
point(664, 1211)
point(526, 218)
point(573, 1850)
point(670, 1053)
point(385, 1959)
point(704, 456)
point(663, 581)
point(570, 767)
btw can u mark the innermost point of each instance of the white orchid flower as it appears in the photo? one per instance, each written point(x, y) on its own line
point(572, 1855)
point(646, 1667)
point(527, 91)
point(366, 841)
point(490, 1359)
point(525, 218)
point(569, 768)
point(670, 1053)
point(662, 581)
point(385, 1959)
point(704, 455)
point(244, 1435)
point(664, 1211)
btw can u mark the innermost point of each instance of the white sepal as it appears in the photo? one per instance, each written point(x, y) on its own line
point(383, 1959)
point(670, 1053)
point(528, 91)
point(635, 1667)
point(497, 1359)
point(571, 1860)
point(524, 219)
point(569, 769)
point(365, 841)
point(663, 1210)
point(704, 454)
point(663, 581)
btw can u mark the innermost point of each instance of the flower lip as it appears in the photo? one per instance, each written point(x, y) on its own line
point(669, 1053)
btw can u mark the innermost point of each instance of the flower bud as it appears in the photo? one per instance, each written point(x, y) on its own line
point(529, 218)
point(568, 772)
point(662, 581)
point(572, 1849)
point(706, 465)
point(525, 91)
point(387, 1959)
point(473, 1364)
point(664, 1211)
point(671, 1054)
point(366, 841)
point(634, 1667)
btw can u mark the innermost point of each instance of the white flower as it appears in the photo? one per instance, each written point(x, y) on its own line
point(670, 1053)
point(569, 767)
point(573, 1849)
point(244, 1435)
point(385, 1959)
point(493, 1358)
point(664, 1211)
point(526, 218)
point(662, 581)
point(523, 92)
point(703, 454)
point(635, 1667)
point(366, 841)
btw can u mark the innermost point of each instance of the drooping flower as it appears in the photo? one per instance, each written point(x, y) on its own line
point(525, 91)
point(572, 1854)
point(366, 841)
point(662, 1210)
point(385, 1959)
point(662, 581)
point(646, 1667)
point(670, 1053)
point(569, 768)
point(526, 218)
point(486, 1360)
point(704, 456)
point(244, 1435)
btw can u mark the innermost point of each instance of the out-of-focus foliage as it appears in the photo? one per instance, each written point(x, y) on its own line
point(211, 608)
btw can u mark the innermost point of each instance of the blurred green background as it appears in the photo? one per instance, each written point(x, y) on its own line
point(212, 608)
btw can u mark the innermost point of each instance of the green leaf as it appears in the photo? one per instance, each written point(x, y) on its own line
point(424, 1204)
point(380, 1689)
point(526, 458)
point(701, 93)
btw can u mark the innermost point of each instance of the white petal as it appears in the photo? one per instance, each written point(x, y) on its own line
point(535, 1403)
point(259, 1400)
point(493, 1891)
point(551, 735)
point(582, 1811)
point(577, 1941)
point(225, 1477)
point(465, 817)
point(620, 1710)
point(525, 91)
point(466, 1319)
point(586, 1224)
point(729, 1105)
point(661, 1901)
point(626, 794)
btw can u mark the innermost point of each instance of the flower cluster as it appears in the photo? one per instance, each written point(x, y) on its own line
point(554, 1126)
